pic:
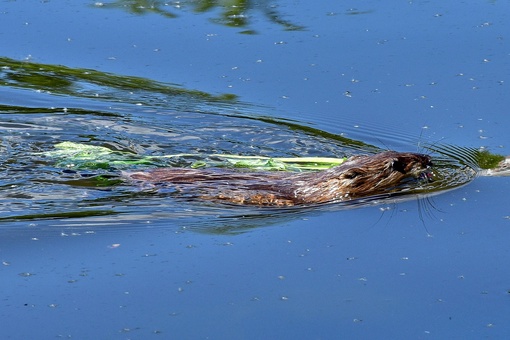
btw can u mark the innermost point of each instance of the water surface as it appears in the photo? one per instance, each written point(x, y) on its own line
point(84, 258)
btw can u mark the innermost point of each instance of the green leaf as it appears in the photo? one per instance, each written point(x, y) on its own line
point(85, 156)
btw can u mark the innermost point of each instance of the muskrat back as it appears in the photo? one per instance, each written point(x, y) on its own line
point(358, 176)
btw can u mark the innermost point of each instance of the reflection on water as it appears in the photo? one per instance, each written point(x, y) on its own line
point(145, 118)
point(86, 83)
point(232, 13)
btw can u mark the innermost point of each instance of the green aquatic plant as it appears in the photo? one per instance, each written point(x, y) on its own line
point(477, 159)
point(84, 156)
point(487, 160)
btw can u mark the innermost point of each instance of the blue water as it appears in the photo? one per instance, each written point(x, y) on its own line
point(82, 261)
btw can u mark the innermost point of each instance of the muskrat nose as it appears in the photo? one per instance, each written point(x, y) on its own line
point(427, 176)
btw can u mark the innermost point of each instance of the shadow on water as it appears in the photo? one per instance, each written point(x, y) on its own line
point(146, 120)
point(232, 13)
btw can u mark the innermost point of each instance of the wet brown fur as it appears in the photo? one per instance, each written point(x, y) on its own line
point(359, 176)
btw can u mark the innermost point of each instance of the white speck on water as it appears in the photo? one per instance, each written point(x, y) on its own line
point(26, 274)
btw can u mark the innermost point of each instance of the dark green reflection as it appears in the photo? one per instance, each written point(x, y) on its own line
point(231, 13)
point(97, 85)
point(87, 83)
point(56, 215)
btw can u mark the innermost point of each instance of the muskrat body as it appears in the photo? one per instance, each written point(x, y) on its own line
point(357, 177)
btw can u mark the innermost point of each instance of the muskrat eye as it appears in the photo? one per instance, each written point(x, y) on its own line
point(397, 166)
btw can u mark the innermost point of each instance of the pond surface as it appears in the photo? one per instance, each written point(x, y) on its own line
point(86, 256)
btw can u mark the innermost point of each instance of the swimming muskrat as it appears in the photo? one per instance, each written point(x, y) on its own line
point(359, 176)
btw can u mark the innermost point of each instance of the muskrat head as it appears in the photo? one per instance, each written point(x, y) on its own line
point(367, 175)
point(412, 164)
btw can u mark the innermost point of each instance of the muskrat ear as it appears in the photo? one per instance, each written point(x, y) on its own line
point(350, 174)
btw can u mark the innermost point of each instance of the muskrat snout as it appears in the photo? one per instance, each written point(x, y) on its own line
point(427, 176)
